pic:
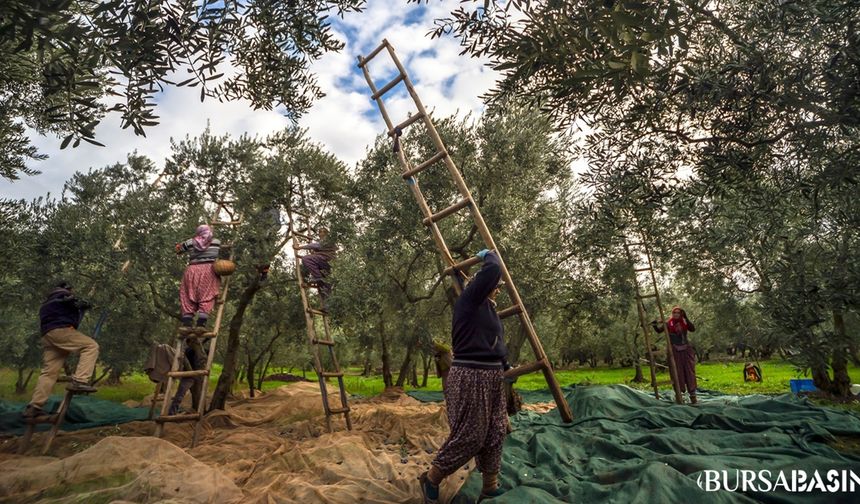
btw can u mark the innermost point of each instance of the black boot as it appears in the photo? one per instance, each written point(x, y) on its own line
point(186, 321)
point(201, 324)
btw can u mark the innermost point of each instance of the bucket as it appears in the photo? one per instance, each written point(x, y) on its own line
point(801, 385)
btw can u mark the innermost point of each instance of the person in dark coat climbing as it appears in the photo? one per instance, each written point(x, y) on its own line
point(317, 264)
point(474, 393)
point(60, 315)
point(683, 353)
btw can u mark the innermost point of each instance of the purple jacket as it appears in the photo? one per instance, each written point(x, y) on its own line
point(61, 309)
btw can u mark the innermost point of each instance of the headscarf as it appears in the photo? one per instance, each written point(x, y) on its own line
point(679, 325)
point(203, 237)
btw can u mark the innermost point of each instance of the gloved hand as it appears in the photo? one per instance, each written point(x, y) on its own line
point(178, 248)
point(482, 254)
point(654, 323)
point(82, 305)
point(505, 367)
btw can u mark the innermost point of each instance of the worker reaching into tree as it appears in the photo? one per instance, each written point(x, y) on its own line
point(474, 394)
point(200, 284)
point(197, 293)
point(678, 326)
point(317, 264)
point(59, 316)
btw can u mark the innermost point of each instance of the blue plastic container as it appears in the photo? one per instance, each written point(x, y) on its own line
point(801, 385)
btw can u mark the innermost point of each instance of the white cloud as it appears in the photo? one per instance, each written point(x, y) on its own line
point(345, 121)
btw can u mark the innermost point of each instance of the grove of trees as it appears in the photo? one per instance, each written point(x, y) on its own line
point(726, 132)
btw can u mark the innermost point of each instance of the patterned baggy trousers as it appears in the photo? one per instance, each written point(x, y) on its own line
point(475, 401)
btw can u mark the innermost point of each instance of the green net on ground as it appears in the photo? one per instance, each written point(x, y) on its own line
point(85, 412)
point(626, 446)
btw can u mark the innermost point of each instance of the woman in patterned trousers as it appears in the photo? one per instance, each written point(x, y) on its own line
point(474, 392)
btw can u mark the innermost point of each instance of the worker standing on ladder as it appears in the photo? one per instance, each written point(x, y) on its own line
point(197, 293)
point(60, 315)
point(474, 394)
point(200, 284)
point(682, 351)
point(317, 264)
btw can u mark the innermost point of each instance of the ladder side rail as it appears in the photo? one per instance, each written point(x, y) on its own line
point(640, 308)
point(670, 356)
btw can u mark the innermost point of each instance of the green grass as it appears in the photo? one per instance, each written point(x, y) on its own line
point(717, 376)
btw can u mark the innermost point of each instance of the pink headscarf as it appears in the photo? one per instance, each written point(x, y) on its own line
point(203, 237)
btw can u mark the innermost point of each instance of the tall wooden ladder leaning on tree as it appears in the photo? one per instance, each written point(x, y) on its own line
point(639, 255)
point(541, 362)
point(224, 208)
point(56, 419)
point(301, 235)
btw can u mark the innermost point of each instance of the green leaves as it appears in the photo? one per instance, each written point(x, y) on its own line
point(62, 58)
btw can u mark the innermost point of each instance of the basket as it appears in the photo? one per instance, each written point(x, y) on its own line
point(224, 267)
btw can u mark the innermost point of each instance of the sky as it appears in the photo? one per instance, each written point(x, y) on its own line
point(345, 121)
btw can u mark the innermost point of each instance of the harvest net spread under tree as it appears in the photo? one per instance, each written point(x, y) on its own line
point(624, 444)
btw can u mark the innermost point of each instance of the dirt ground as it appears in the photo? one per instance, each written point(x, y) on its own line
point(270, 449)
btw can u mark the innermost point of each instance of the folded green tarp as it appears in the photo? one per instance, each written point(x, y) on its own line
point(84, 413)
point(625, 446)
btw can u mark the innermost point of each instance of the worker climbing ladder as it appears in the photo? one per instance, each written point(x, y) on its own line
point(301, 235)
point(224, 208)
point(639, 255)
point(54, 419)
point(541, 362)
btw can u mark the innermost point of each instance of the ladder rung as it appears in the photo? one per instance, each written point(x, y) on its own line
point(462, 266)
point(185, 417)
point(425, 164)
point(525, 369)
point(314, 311)
point(363, 61)
point(386, 88)
point(338, 411)
point(646, 296)
point(207, 334)
point(510, 310)
point(48, 418)
point(187, 374)
point(226, 223)
point(639, 270)
point(446, 212)
point(405, 124)
point(323, 342)
point(331, 374)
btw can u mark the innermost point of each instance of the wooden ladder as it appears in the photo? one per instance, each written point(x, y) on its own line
point(55, 419)
point(182, 334)
point(542, 362)
point(302, 235)
point(643, 250)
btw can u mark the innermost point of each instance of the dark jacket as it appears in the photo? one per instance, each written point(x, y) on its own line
point(61, 309)
point(477, 333)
